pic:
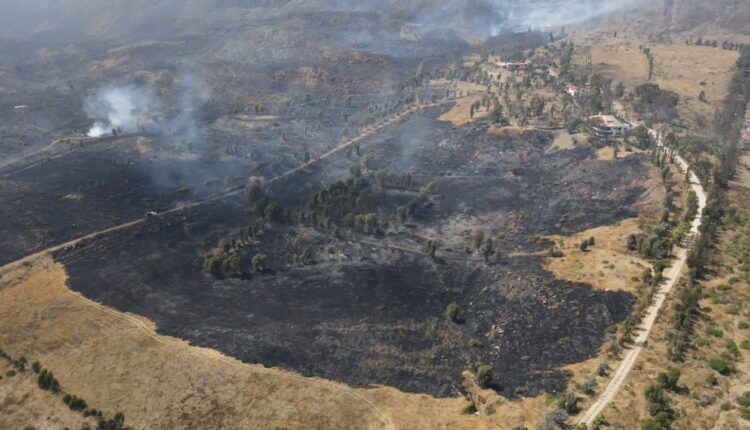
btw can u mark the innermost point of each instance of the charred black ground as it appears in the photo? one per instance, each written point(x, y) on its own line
point(358, 300)
point(368, 309)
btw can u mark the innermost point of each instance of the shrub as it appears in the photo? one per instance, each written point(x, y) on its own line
point(669, 380)
point(745, 344)
point(259, 262)
point(212, 264)
point(36, 367)
point(451, 311)
point(720, 365)
point(10, 373)
point(568, 403)
point(74, 402)
point(584, 246)
point(484, 376)
point(589, 387)
point(470, 409)
point(599, 422)
point(47, 381)
point(632, 242)
point(603, 368)
point(711, 379)
point(591, 241)
point(744, 325)
point(553, 420)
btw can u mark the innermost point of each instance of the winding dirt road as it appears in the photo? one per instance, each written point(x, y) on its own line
point(671, 277)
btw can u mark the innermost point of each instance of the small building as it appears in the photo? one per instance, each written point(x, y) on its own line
point(516, 66)
point(608, 126)
point(575, 90)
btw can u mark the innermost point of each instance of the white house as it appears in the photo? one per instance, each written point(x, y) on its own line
point(609, 126)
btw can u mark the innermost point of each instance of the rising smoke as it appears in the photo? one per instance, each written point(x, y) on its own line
point(492, 17)
point(135, 109)
point(125, 109)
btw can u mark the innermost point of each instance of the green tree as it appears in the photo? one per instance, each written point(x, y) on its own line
point(211, 264)
point(484, 376)
point(632, 242)
point(431, 248)
point(669, 379)
point(259, 262)
point(619, 90)
point(568, 403)
point(451, 311)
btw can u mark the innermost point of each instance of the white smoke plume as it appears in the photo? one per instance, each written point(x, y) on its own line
point(124, 108)
point(134, 109)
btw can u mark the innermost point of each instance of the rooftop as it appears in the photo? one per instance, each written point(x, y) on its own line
point(608, 121)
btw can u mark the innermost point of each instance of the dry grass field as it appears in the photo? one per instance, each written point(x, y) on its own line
point(685, 69)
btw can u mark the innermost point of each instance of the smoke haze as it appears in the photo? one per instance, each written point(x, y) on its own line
point(142, 19)
point(130, 109)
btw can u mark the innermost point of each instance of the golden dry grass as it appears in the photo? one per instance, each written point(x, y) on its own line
point(460, 112)
point(22, 403)
point(685, 69)
point(608, 265)
point(563, 141)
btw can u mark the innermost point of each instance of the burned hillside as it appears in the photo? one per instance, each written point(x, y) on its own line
point(362, 299)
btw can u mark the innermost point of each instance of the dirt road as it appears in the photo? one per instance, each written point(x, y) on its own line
point(671, 277)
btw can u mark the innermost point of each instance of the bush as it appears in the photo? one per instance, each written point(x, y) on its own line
point(259, 262)
point(74, 402)
point(553, 420)
point(591, 241)
point(211, 264)
point(744, 325)
point(484, 376)
point(47, 381)
point(711, 379)
point(568, 403)
point(720, 365)
point(115, 423)
point(669, 380)
point(36, 367)
point(603, 368)
point(584, 246)
point(470, 409)
point(451, 311)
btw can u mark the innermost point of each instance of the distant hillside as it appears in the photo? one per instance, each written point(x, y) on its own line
point(685, 16)
point(131, 19)
point(718, 15)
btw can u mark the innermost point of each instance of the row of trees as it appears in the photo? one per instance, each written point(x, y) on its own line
point(727, 44)
point(46, 381)
point(687, 303)
point(650, 281)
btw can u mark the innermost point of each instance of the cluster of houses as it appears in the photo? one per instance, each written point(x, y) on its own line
point(603, 126)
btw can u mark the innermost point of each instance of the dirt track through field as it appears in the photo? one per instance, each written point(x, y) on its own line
point(644, 329)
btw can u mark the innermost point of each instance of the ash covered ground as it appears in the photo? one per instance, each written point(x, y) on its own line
point(361, 302)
